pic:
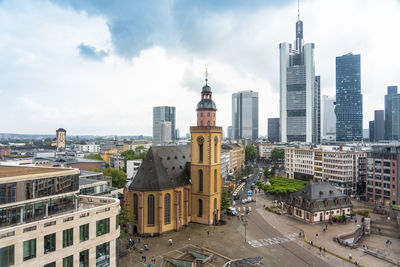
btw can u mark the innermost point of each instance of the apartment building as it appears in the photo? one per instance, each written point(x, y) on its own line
point(342, 167)
point(43, 221)
point(383, 174)
point(236, 156)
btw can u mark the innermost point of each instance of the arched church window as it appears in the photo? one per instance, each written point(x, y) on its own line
point(167, 209)
point(135, 207)
point(200, 181)
point(150, 209)
point(200, 214)
point(215, 181)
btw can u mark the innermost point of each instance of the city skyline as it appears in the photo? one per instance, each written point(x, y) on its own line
point(71, 65)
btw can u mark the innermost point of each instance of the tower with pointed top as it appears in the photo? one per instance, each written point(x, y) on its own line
point(300, 116)
point(205, 171)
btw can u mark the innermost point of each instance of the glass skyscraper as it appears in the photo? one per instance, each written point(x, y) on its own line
point(300, 113)
point(245, 115)
point(392, 114)
point(273, 130)
point(161, 116)
point(348, 109)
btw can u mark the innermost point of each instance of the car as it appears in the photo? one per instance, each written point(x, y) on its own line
point(236, 197)
point(244, 201)
point(232, 211)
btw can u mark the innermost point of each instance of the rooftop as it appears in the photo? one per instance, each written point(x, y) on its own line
point(11, 171)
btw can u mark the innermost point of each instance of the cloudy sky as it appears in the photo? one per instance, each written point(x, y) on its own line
point(98, 66)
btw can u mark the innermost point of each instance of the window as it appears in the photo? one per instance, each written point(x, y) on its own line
point(51, 264)
point(83, 232)
point(135, 207)
point(208, 123)
point(29, 249)
point(7, 256)
point(150, 209)
point(215, 153)
point(102, 227)
point(167, 209)
point(68, 261)
point(103, 255)
point(179, 200)
point(200, 208)
point(201, 152)
point(49, 243)
point(84, 258)
point(200, 181)
point(68, 237)
point(215, 204)
point(201, 114)
point(208, 114)
point(215, 181)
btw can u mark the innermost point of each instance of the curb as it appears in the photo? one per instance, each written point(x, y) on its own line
point(326, 250)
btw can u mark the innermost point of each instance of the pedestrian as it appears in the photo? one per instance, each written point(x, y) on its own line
point(299, 234)
point(320, 250)
point(324, 251)
point(153, 260)
point(208, 232)
point(350, 257)
point(138, 239)
point(323, 230)
point(130, 242)
point(316, 236)
point(326, 226)
point(143, 259)
point(237, 216)
point(170, 242)
point(389, 219)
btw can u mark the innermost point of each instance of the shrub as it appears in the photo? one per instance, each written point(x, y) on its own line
point(364, 213)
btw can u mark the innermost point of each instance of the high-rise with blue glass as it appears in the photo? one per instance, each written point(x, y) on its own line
point(348, 109)
point(392, 114)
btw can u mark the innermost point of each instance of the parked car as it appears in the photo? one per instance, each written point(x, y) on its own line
point(232, 211)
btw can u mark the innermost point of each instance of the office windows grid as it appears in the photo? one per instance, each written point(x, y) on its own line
point(68, 261)
point(49, 243)
point(103, 255)
point(84, 258)
point(7, 256)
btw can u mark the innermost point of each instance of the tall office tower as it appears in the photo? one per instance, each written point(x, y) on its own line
point(299, 91)
point(161, 114)
point(349, 114)
point(392, 114)
point(379, 125)
point(229, 133)
point(371, 131)
point(163, 128)
point(177, 135)
point(245, 115)
point(273, 130)
point(329, 117)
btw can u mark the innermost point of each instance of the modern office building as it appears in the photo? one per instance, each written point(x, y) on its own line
point(342, 167)
point(245, 115)
point(348, 109)
point(371, 130)
point(379, 125)
point(299, 91)
point(162, 130)
point(392, 114)
point(273, 130)
point(329, 117)
point(160, 115)
point(61, 135)
point(43, 221)
point(383, 174)
point(229, 133)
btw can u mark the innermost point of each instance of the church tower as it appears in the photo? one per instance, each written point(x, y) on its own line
point(205, 171)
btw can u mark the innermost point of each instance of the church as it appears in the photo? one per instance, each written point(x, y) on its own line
point(176, 185)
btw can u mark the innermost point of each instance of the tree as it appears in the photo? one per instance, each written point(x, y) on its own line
point(273, 170)
point(93, 156)
point(124, 220)
point(118, 177)
point(277, 154)
point(266, 172)
point(250, 152)
point(225, 200)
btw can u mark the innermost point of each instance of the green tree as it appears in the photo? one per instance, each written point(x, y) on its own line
point(277, 154)
point(118, 177)
point(266, 171)
point(225, 200)
point(124, 220)
point(250, 152)
point(273, 170)
point(93, 156)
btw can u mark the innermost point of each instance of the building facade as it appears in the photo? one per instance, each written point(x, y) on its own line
point(176, 185)
point(161, 116)
point(61, 139)
point(371, 130)
point(348, 109)
point(329, 117)
point(4, 151)
point(44, 223)
point(299, 91)
point(342, 167)
point(245, 115)
point(383, 174)
point(392, 114)
point(273, 130)
point(318, 202)
point(379, 125)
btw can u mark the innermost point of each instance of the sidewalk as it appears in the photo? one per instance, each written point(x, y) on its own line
point(287, 224)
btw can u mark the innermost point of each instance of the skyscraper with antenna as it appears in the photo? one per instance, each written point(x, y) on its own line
point(300, 112)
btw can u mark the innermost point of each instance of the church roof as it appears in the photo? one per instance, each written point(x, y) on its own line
point(206, 104)
point(61, 130)
point(164, 167)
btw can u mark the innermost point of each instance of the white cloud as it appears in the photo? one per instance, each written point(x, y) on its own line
point(46, 84)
